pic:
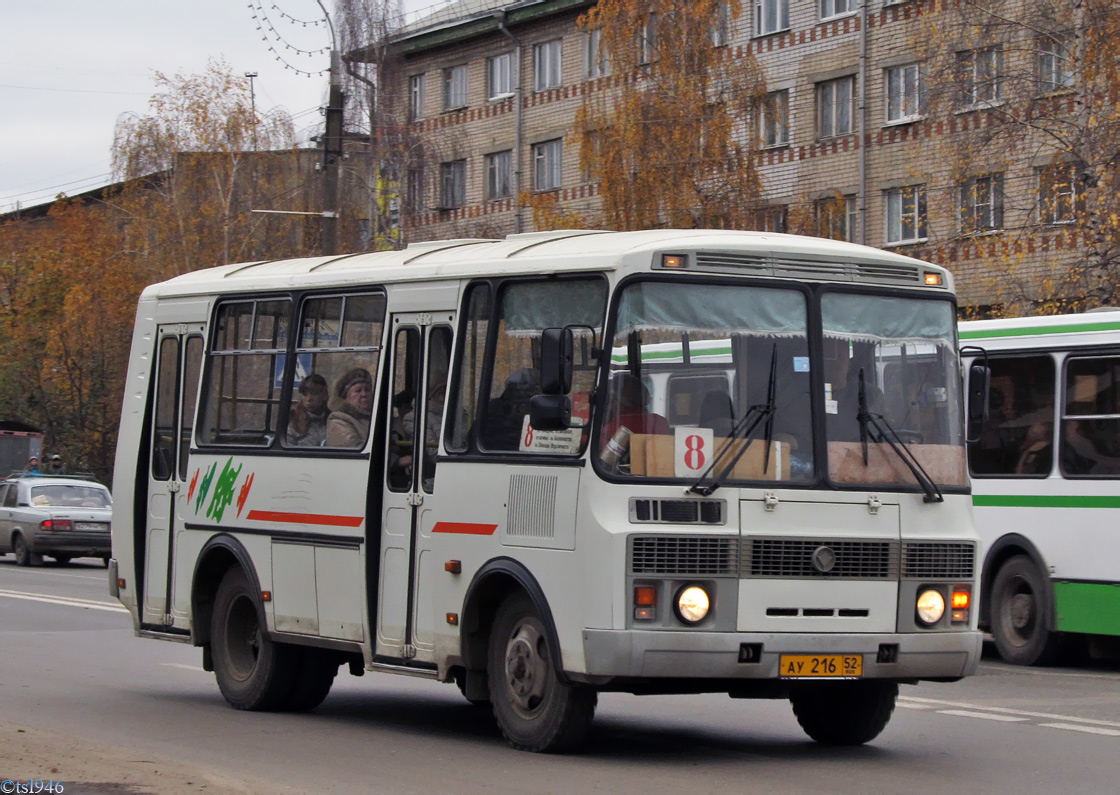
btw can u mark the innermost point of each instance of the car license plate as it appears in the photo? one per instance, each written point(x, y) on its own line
point(96, 526)
point(836, 666)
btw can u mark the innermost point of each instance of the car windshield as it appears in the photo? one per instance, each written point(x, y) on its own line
point(890, 369)
point(708, 382)
point(62, 495)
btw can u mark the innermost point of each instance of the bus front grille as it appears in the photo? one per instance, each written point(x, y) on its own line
point(684, 556)
point(925, 560)
point(816, 558)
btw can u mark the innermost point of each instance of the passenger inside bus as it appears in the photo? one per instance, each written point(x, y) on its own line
point(505, 414)
point(307, 422)
point(1036, 457)
point(716, 412)
point(348, 426)
point(629, 408)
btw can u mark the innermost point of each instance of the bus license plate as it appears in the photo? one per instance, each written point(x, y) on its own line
point(837, 666)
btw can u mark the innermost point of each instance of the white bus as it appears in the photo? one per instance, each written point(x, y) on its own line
point(1046, 480)
point(331, 461)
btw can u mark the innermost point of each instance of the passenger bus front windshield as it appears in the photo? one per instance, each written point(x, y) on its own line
point(900, 354)
point(708, 373)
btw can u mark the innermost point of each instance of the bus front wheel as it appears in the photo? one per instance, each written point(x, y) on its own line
point(534, 709)
point(253, 672)
point(844, 713)
point(1019, 600)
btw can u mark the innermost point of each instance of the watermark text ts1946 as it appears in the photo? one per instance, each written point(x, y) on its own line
point(33, 786)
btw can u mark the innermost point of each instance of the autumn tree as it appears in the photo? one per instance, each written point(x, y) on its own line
point(665, 129)
point(1028, 91)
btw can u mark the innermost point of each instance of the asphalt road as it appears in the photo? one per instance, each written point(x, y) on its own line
point(70, 665)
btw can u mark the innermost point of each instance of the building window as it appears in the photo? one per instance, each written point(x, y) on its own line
point(546, 164)
point(454, 184)
point(647, 40)
point(455, 87)
point(499, 175)
point(499, 76)
point(905, 91)
point(1057, 194)
point(834, 107)
point(837, 218)
point(416, 97)
point(546, 64)
point(979, 76)
point(770, 219)
point(415, 189)
point(981, 206)
point(773, 119)
point(770, 16)
point(1055, 70)
point(597, 61)
point(722, 23)
point(834, 8)
point(906, 214)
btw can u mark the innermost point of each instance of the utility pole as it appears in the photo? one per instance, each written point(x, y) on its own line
point(253, 106)
point(332, 156)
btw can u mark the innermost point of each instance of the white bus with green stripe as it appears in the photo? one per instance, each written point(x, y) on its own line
point(1046, 481)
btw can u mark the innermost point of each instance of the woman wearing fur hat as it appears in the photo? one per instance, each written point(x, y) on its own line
point(348, 426)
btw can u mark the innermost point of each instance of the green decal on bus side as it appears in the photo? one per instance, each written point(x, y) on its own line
point(1093, 608)
point(1044, 501)
point(1073, 328)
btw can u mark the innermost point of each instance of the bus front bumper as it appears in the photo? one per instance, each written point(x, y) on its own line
point(717, 655)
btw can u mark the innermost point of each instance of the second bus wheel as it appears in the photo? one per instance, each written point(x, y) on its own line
point(844, 713)
point(253, 672)
point(315, 675)
point(1019, 603)
point(533, 708)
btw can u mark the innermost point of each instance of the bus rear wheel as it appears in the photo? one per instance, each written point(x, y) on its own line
point(253, 672)
point(317, 669)
point(534, 709)
point(1019, 607)
point(844, 713)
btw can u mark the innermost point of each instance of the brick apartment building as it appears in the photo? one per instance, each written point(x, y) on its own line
point(492, 89)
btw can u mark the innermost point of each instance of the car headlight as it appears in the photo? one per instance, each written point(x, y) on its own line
point(931, 606)
point(693, 604)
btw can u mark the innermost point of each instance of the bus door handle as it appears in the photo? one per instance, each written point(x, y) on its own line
point(415, 498)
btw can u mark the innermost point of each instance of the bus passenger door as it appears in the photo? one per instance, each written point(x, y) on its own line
point(177, 367)
point(421, 346)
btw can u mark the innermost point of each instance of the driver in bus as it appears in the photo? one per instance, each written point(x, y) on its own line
point(629, 409)
point(348, 426)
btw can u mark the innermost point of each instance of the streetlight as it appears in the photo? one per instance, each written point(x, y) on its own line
point(253, 106)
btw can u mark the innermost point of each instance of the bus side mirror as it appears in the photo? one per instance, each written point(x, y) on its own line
point(557, 357)
point(550, 412)
point(979, 381)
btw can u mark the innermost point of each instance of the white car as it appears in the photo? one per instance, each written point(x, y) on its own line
point(61, 517)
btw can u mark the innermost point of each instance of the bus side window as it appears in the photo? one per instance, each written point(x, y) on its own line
point(467, 386)
point(1018, 436)
point(1091, 417)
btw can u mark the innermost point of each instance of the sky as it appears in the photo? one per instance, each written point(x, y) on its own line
point(70, 68)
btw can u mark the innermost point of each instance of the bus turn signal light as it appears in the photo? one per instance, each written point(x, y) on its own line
point(453, 566)
point(645, 602)
point(961, 600)
point(932, 279)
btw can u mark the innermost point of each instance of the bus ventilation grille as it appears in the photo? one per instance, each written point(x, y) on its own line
point(938, 561)
point(678, 511)
point(874, 272)
point(820, 558)
point(687, 556)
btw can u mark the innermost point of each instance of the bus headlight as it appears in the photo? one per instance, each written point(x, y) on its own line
point(931, 606)
point(693, 604)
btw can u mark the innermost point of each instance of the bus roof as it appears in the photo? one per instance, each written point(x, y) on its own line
point(1047, 331)
point(534, 252)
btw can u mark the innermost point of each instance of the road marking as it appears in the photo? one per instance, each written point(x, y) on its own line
point(66, 601)
point(185, 667)
point(967, 713)
point(1087, 729)
point(932, 702)
point(904, 705)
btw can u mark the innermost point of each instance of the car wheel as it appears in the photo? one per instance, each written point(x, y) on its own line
point(24, 555)
point(253, 672)
point(533, 708)
point(844, 713)
point(1020, 596)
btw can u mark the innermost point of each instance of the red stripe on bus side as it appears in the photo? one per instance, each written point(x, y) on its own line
point(465, 528)
point(305, 518)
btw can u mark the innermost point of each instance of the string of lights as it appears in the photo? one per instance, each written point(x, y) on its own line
point(281, 47)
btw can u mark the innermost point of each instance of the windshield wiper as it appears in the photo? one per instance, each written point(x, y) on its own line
point(888, 434)
point(743, 429)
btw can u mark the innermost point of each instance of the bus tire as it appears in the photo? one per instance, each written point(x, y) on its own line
point(533, 708)
point(844, 713)
point(1019, 601)
point(253, 672)
point(315, 676)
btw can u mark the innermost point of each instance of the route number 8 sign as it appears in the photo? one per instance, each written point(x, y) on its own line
point(692, 451)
